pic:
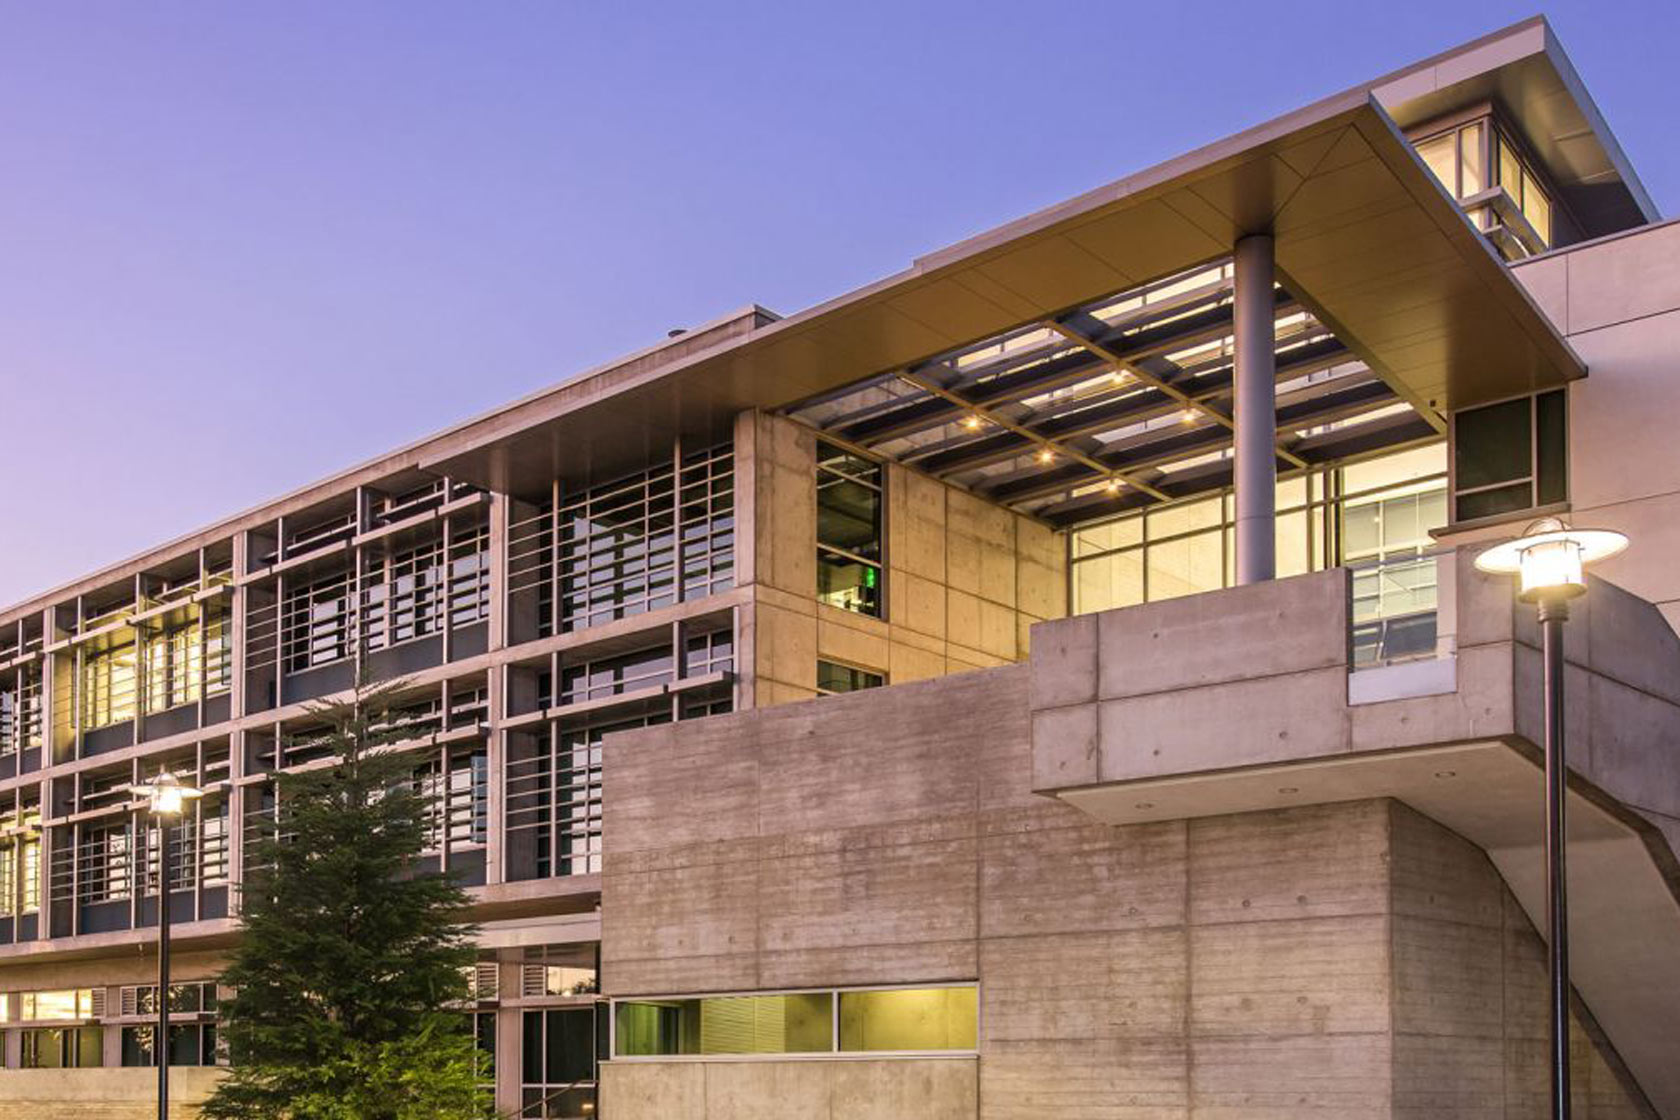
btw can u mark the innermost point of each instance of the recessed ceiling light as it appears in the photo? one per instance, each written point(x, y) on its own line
point(1046, 455)
point(1113, 486)
point(972, 423)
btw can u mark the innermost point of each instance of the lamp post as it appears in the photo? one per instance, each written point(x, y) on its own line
point(166, 799)
point(1549, 560)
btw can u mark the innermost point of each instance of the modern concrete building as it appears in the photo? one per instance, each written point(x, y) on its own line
point(1204, 783)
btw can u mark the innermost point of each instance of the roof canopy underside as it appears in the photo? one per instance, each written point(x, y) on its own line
point(1119, 403)
point(1377, 267)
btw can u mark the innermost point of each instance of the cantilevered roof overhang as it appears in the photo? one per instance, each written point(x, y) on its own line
point(1365, 240)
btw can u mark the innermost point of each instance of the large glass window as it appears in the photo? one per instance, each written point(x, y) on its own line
point(190, 1044)
point(1374, 516)
point(910, 1019)
point(849, 505)
point(109, 685)
point(20, 710)
point(1510, 456)
point(63, 1048)
point(1520, 182)
point(902, 1020)
point(833, 677)
point(557, 1057)
point(58, 1003)
point(1458, 159)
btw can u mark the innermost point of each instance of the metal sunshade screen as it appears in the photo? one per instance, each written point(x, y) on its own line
point(1121, 402)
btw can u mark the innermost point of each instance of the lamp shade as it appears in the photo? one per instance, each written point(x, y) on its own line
point(166, 796)
point(1550, 559)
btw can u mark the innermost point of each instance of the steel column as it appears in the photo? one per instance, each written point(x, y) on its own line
point(160, 1043)
point(1255, 467)
point(1552, 617)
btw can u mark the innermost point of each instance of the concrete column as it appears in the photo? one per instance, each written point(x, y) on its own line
point(1255, 469)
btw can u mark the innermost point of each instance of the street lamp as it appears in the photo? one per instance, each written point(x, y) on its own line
point(166, 799)
point(1550, 561)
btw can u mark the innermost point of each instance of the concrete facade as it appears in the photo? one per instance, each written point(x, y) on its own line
point(966, 579)
point(1199, 857)
point(1353, 959)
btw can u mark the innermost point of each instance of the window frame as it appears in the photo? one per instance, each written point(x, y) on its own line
point(1532, 479)
point(834, 1053)
point(881, 533)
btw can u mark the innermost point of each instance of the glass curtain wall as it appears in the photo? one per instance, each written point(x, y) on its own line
point(1374, 516)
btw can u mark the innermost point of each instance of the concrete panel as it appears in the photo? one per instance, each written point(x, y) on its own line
point(653, 1090)
point(1342, 1075)
point(908, 663)
point(1315, 861)
point(1065, 662)
point(1265, 629)
point(1065, 747)
point(1111, 985)
point(892, 1090)
point(916, 524)
point(102, 1094)
point(1310, 976)
point(1080, 879)
point(1086, 1079)
point(767, 1090)
point(1624, 278)
point(718, 788)
point(852, 638)
point(916, 603)
point(1547, 281)
point(1241, 723)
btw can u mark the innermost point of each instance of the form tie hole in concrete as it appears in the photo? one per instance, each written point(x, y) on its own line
point(1246, 904)
point(1301, 898)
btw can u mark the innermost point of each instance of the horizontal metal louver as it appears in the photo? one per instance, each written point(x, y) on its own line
point(485, 980)
point(96, 1005)
point(533, 980)
point(130, 1000)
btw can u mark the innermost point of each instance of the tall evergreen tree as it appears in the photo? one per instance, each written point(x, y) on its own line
point(351, 955)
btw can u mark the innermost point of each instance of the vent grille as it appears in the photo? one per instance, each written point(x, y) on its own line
point(486, 979)
point(130, 1000)
point(96, 1005)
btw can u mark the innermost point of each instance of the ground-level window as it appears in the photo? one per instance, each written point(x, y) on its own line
point(884, 1020)
point(833, 677)
point(190, 1044)
point(63, 1047)
point(558, 1061)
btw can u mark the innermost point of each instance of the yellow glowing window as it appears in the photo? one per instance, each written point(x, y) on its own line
point(60, 1003)
point(912, 1019)
point(900, 1020)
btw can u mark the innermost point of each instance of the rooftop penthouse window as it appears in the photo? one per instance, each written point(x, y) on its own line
point(1481, 165)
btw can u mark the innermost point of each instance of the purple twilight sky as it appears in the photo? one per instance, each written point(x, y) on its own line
point(243, 245)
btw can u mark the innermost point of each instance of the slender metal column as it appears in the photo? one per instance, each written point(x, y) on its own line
point(1255, 468)
point(1552, 617)
point(160, 1044)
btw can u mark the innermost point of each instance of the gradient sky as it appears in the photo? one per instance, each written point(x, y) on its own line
point(244, 245)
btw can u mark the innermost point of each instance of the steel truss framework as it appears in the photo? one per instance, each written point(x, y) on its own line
point(1120, 403)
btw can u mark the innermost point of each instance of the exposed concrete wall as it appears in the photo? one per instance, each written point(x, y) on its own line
point(1246, 966)
point(965, 579)
point(1617, 300)
point(1470, 993)
point(926, 1089)
point(101, 1094)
